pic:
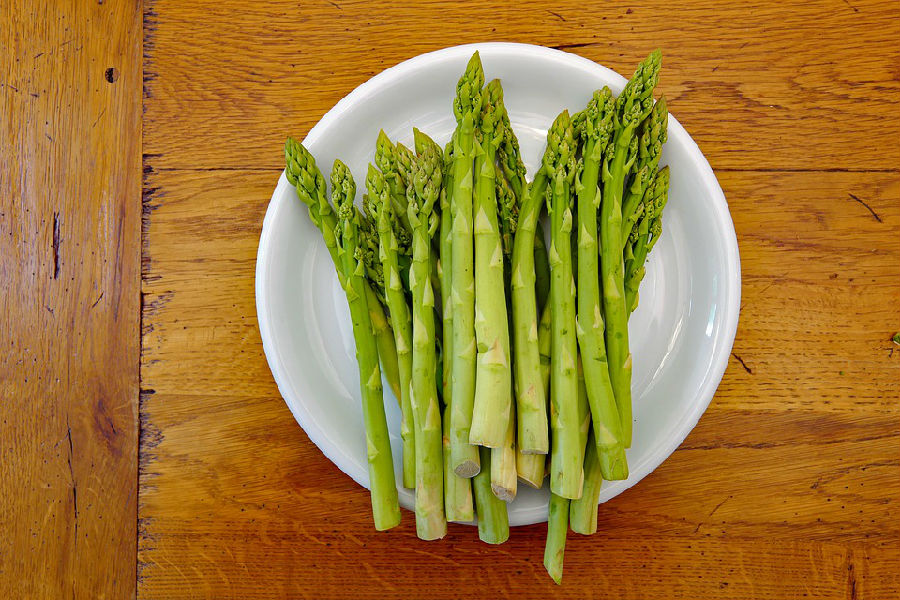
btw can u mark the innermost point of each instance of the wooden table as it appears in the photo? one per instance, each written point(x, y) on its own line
point(144, 448)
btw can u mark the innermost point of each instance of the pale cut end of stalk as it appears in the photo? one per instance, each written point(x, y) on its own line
point(504, 482)
point(530, 469)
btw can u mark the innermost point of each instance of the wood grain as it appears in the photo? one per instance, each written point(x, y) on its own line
point(789, 485)
point(770, 85)
point(70, 77)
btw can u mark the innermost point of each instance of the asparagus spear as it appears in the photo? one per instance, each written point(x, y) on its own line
point(493, 518)
point(557, 528)
point(493, 385)
point(395, 169)
point(632, 106)
point(466, 108)
point(458, 499)
point(531, 401)
point(596, 129)
point(422, 193)
point(583, 511)
point(653, 134)
point(565, 466)
point(389, 247)
point(385, 507)
point(532, 467)
point(645, 235)
point(305, 176)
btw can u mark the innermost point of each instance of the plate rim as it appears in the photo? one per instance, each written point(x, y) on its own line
point(719, 206)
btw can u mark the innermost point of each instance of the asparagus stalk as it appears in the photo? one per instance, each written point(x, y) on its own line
point(305, 176)
point(645, 235)
point(379, 199)
point(533, 467)
point(458, 500)
point(466, 108)
point(385, 507)
point(545, 337)
point(653, 133)
point(583, 511)
point(493, 519)
point(632, 106)
point(541, 268)
point(565, 465)
point(422, 193)
point(395, 169)
point(530, 468)
point(596, 129)
point(531, 401)
point(493, 382)
point(557, 528)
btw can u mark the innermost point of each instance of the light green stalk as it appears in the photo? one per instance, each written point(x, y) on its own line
point(583, 512)
point(530, 468)
point(422, 192)
point(466, 108)
point(493, 518)
point(565, 465)
point(645, 235)
point(380, 204)
point(458, 500)
point(653, 133)
point(395, 169)
point(531, 401)
point(493, 381)
point(305, 176)
point(632, 106)
point(545, 337)
point(385, 507)
point(504, 480)
point(557, 528)
point(596, 129)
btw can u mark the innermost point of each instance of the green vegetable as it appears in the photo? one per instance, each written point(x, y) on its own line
point(379, 201)
point(557, 528)
point(632, 106)
point(493, 382)
point(385, 507)
point(645, 235)
point(493, 518)
point(466, 108)
point(565, 462)
point(531, 400)
point(596, 129)
point(583, 511)
point(422, 193)
point(652, 136)
point(307, 179)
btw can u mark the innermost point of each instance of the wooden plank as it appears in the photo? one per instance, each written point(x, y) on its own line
point(772, 85)
point(69, 305)
point(788, 486)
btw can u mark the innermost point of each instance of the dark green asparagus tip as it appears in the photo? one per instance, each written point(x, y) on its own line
point(468, 90)
point(302, 172)
point(343, 189)
point(560, 144)
point(423, 140)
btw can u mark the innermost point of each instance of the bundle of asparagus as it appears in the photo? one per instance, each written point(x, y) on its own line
point(499, 348)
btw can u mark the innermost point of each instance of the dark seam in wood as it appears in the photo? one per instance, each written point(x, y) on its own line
point(743, 364)
point(869, 208)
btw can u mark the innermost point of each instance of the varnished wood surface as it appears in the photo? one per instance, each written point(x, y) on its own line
point(788, 487)
point(70, 144)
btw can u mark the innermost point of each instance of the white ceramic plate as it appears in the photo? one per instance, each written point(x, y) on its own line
point(681, 333)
